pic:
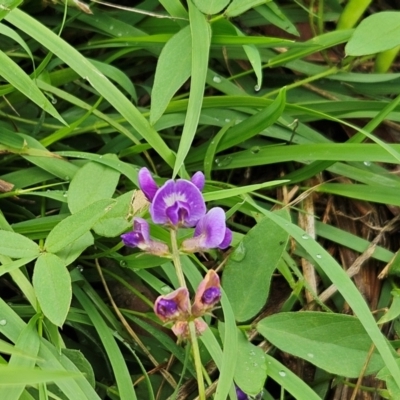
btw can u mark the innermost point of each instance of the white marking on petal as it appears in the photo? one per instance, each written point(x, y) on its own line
point(172, 198)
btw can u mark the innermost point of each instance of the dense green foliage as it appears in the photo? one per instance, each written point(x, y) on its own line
point(292, 114)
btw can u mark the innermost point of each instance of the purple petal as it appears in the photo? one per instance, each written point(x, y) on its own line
point(212, 228)
point(142, 226)
point(178, 203)
point(166, 308)
point(147, 183)
point(139, 235)
point(173, 306)
point(198, 180)
point(227, 239)
point(132, 239)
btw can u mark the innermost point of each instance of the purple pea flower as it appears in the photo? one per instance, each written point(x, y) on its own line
point(176, 203)
point(181, 328)
point(140, 237)
point(210, 232)
point(208, 294)
point(173, 306)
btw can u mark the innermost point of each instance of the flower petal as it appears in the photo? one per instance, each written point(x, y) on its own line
point(173, 306)
point(198, 180)
point(178, 203)
point(240, 394)
point(147, 183)
point(227, 239)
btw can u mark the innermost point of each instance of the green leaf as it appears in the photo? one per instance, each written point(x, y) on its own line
point(394, 310)
point(251, 368)
point(75, 226)
point(11, 139)
point(77, 357)
point(52, 284)
point(15, 245)
point(251, 266)
point(91, 183)
point(173, 70)
point(376, 33)
point(71, 252)
point(15, 75)
point(116, 221)
point(336, 343)
point(201, 37)
point(211, 7)
point(238, 7)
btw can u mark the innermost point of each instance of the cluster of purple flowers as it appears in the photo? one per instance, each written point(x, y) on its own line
point(180, 204)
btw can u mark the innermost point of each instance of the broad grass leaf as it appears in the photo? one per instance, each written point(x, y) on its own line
point(248, 272)
point(11, 139)
point(77, 357)
point(15, 75)
point(376, 33)
point(251, 368)
point(211, 7)
point(52, 284)
point(91, 183)
point(15, 245)
point(76, 225)
point(173, 70)
point(336, 343)
point(8, 5)
point(29, 342)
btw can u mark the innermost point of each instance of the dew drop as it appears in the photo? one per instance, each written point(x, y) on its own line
point(257, 88)
point(223, 162)
point(122, 263)
point(252, 353)
point(318, 256)
point(255, 149)
point(3, 322)
point(240, 253)
point(367, 163)
point(111, 27)
point(305, 237)
point(79, 268)
point(65, 194)
point(227, 120)
point(217, 79)
point(310, 355)
point(53, 100)
point(282, 373)
point(101, 157)
point(67, 178)
point(255, 365)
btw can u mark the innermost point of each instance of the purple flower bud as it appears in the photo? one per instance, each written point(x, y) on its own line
point(178, 203)
point(208, 294)
point(211, 296)
point(173, 306)
point(140, 237)
point(210, 232)
point(240, 394)
point(147, 184)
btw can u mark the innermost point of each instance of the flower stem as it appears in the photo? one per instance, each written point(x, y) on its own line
point(197, 361)
point(177, 260)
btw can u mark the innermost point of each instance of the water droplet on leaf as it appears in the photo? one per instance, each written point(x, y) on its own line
point(282, 374)
point(240, 253)
point(305, 237)
point(310, 355)
point(223, 162)
point(257, 88)
point(122, 263)
point(3, 322)
point(255, 149)
point(217, 79)
point(367, 163)
point(318, 256)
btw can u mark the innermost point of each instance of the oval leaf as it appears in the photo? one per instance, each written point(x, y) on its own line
point(92, 182)
point(173, 70)
point(52, 284)
point(336, 343)
point(75, 226)
point(376, 33)
point(15, 245)
point(251, 266)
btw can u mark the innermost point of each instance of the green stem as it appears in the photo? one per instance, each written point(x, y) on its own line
point(197, 361)
point(177, 260)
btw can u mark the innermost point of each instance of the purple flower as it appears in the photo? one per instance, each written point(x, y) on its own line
point(240, 394)
point(173, 306)
point(210, 232)
point(140, 237)
point(208, 294)
point(176, 203)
